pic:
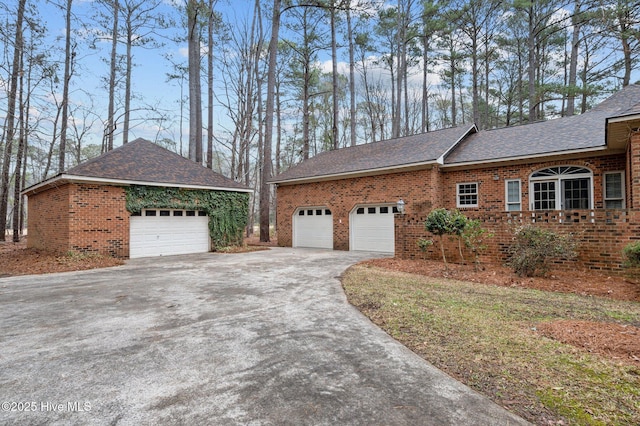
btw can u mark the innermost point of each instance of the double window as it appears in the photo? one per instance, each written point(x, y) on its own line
point(562, 188)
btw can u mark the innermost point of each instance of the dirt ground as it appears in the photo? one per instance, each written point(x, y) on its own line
point(614, 341)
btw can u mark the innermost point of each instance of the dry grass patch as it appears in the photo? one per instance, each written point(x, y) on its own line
point(489, 338)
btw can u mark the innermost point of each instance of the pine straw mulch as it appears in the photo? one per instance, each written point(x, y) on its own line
point(17, 259)
point(614, 341)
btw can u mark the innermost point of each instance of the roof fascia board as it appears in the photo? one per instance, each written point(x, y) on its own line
point(623, 118)
point(64, 178)
point(440, 159)
point(524, 158)
point(360, 173)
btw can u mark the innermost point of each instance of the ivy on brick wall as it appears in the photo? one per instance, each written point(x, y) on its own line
point(228, 211)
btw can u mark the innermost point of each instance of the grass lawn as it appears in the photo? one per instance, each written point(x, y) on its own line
point(491, 339)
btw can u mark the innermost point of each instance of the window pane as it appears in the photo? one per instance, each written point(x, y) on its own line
point(327, 212)
point(544, 195)
point(177, 213)
point(191, 213)
point(613, 185)
point(319, 212)
point(513, 191)
point(613, 204)
point(360, 210)
point(384, 209)
point(371, 210)
point(150, 213)
point(468, 200)
point(309, 212)
point(165, 213)
point(301, 213)
point(576, 193)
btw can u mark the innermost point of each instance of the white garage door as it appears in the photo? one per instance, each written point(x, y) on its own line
point(371, 229)
point(168, 232)
point(313, 227)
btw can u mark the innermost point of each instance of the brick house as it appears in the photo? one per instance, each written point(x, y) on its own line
point(84, 209)
point(577, 174)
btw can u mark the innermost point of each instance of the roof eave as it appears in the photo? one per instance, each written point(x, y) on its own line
point(66, 178)
point(527, 158)
point(356, 174)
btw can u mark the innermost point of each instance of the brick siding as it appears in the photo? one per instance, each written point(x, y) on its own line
point(601, 233)
point(342, 196)
point(81, 218)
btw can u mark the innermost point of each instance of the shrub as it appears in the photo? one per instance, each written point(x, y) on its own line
point(424, 244)
point(532, 247)
point(474, 237)
point(439, 222)
point(631, 253)
point(459, 223)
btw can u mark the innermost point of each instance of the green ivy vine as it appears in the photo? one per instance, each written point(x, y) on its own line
point(228, 211)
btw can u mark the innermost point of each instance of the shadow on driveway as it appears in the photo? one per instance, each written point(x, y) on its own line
point(256, 338)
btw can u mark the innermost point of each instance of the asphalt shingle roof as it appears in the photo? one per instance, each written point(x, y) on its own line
point(144, 161)
point(546, 137)
point(401, 152)
point(579, 132)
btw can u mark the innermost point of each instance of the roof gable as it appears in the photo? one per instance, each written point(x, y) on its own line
point(416, 150)
point(144, 162)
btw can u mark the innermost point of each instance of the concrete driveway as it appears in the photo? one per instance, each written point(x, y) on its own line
point(257, 338)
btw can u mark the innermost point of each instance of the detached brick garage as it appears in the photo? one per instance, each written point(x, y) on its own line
point(578, 174)
point(87, 208)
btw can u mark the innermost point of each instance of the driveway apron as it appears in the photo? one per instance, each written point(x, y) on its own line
point(262, 338)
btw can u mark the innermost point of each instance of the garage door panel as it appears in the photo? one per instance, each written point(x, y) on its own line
point(372, 229)
point(313, 228)
point(168, 235)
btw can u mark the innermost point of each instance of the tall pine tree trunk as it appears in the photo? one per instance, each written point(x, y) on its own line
point(111, 125)
point(10, 126)
point(573, 60)
point(265, 192)
point(210, 86)
point(17, 182)
point(195, 93)
point(352, 81)
point(65, 90)
point(334, 65)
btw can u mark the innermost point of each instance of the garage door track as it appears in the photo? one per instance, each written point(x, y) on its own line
point(255, 338)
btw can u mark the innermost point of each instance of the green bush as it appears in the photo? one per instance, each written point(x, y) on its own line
point(631, 254)
point(424, 244)
point(532, 247)
point(440, 222)
point(474, 237)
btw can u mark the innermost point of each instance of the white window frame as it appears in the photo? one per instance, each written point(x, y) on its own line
point(558, 179)
point(622, 188)
point(508, 203)
point(467, 206)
